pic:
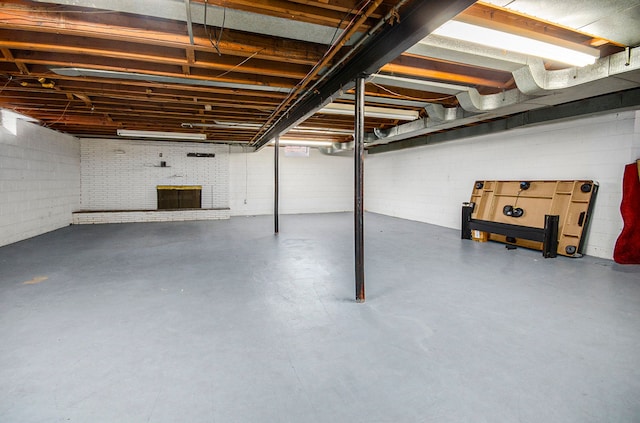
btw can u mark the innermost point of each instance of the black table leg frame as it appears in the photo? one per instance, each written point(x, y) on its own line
point(548, 235)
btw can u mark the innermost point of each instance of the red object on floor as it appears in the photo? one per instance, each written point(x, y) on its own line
point(627, 249)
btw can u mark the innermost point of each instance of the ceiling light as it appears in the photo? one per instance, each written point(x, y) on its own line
point(248, 125)
point(303, 143)
point(223, 124)
point(370, 111)
point(161, 135)
point(332, 131)
point(576, 55)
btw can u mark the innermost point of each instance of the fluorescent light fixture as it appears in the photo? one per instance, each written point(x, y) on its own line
point(370, 111)
point(223, 124)
point(292, 131)
point(161, 135)
point(303, 143)
point(249, 125)
point(320, 131)
point(577, 55)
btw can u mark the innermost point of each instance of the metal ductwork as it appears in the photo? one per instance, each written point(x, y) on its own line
point(536, 88)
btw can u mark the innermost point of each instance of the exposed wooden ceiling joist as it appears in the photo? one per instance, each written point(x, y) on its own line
point(88, 71)
point(420, 20)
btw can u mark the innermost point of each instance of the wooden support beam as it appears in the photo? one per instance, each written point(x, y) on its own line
point(163, 71)
point(111, 27)
point(128, 56)
point(9, 57)
point(191, 59)
point(305, 11)
point(167, 92)
point(7, 54)
point(488, 15)
point(422, 18)
point(417, 66)
point(85, 98)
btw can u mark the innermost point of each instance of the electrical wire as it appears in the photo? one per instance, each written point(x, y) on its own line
point(354, 48)
point(407, 97)
point(5, 85)
point(335, 34)
point(313, 71)
point(64, 112)
point(224, 18)
point(214, 44)
point(238, 65)
point(329, 49)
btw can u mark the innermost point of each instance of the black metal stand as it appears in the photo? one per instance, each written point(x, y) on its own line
point(548, 236)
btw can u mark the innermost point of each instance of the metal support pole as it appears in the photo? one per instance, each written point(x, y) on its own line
point(276, 173)
point(359, 188)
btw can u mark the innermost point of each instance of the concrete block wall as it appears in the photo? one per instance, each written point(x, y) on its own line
point(428, 184)
point(123, 174)
point(314, 184)
point(39, 181)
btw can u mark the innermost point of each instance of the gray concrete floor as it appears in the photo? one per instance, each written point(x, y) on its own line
point(224, 322)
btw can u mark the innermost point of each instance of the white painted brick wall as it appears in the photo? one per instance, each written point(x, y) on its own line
point(39, 181)
point(123, 174)
point(98, 217)
point(40, 175)
point(635, 148)
point(314, 184)
point(428, 184)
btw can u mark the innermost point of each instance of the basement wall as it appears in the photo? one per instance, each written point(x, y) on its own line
point(635, 143)
point(124, 174)
point(39, 180)
point(314, 184)
point(429, 184)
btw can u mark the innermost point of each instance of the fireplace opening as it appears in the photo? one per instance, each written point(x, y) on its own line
point(172, 197)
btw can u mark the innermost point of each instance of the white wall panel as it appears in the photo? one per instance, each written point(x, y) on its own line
point(635, 149)
point(41, 170)
point(314, 184)
point(428, 184)
point(39, 181)
point(123, 174)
